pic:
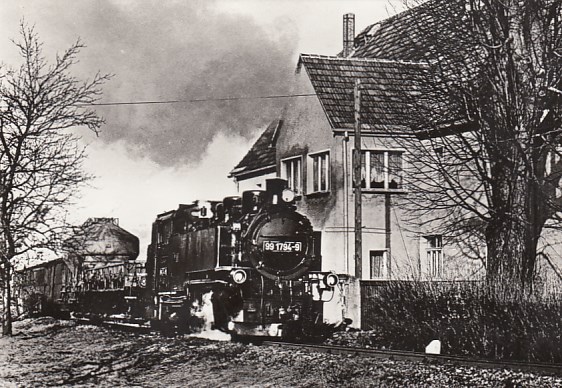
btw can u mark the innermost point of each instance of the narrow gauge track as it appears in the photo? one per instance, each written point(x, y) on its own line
point(396, 355)
point(542, 368)
point(124, 326)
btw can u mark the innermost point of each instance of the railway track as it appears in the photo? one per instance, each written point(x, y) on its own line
point(396, 355)
point(124, 326)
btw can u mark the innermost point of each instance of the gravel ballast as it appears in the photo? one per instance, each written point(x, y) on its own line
point(46, 352)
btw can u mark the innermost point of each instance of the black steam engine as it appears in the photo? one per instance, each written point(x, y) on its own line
point(254, 258)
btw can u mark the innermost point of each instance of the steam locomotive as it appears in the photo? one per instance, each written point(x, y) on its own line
point(255, 256)
point(254, 259)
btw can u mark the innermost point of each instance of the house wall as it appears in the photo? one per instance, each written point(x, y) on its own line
point(305, 131)
point(254, 183)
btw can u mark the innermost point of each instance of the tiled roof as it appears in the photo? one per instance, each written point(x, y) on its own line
point(404, 36)
point(390, 57)
point(387, 87)
point(261, 156)
point(102, 236)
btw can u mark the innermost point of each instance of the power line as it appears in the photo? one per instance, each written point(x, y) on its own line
point(156, 102)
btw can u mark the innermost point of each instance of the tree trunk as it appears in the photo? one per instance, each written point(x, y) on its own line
point(7, 321)
point(513, 233)
point(511, 258)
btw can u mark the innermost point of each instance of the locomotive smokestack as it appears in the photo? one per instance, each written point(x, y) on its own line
point(348, 33)
point(274, 189)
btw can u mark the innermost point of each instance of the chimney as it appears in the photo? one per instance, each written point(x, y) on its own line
point(348, 33)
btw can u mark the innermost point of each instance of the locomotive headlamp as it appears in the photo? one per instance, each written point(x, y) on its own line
point(288, 195)
point(239, 276)
point(331, 280)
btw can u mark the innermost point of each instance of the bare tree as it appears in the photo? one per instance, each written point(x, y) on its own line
point(40, 158)
point(489, 118)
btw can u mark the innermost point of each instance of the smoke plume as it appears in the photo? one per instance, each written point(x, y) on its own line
point(171, 50)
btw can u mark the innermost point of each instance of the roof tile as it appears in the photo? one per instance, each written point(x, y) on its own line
point(262, 153)
point(386, 88)
point(403, 36)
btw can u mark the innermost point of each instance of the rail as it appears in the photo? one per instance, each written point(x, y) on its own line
point(397, 355)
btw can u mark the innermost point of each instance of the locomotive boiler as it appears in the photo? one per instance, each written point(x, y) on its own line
point(255, 257)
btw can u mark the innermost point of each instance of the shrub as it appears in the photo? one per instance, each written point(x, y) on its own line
point(468, 320)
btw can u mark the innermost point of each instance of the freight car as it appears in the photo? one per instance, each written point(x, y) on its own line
point(96, 277)
point(108, 279)
point(255, 257)
point(40, 289)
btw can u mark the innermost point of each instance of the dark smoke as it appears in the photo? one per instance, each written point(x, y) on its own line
point(160, 50)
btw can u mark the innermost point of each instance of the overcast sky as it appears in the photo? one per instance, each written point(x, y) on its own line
point(149, 158)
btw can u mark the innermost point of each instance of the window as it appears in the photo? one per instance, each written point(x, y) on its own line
point(381, 170)
point(318, 170)
point(378, 264)
point(164, 232)
point(435, 255)
point(291, 170)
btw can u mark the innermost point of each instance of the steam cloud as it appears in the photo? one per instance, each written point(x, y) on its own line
point(172, 50)
point(205, 313)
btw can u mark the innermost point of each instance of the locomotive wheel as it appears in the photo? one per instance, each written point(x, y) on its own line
point(246, 339)
point(168, 329)
point(227, 302)
point(95, 319)
point(64, 315)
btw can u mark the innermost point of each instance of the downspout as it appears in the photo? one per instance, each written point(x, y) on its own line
point(357, 181)
point(345, 140)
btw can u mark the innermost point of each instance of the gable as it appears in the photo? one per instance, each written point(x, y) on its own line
point(261, 157)
point(387, 89)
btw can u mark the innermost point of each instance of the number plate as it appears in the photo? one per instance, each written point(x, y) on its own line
point(286, 246)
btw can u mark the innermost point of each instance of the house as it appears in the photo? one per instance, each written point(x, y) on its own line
point(312, 147)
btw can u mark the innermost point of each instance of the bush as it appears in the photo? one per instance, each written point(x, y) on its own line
point(468, 321)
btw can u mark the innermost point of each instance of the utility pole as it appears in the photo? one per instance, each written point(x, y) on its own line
point(357, 180)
